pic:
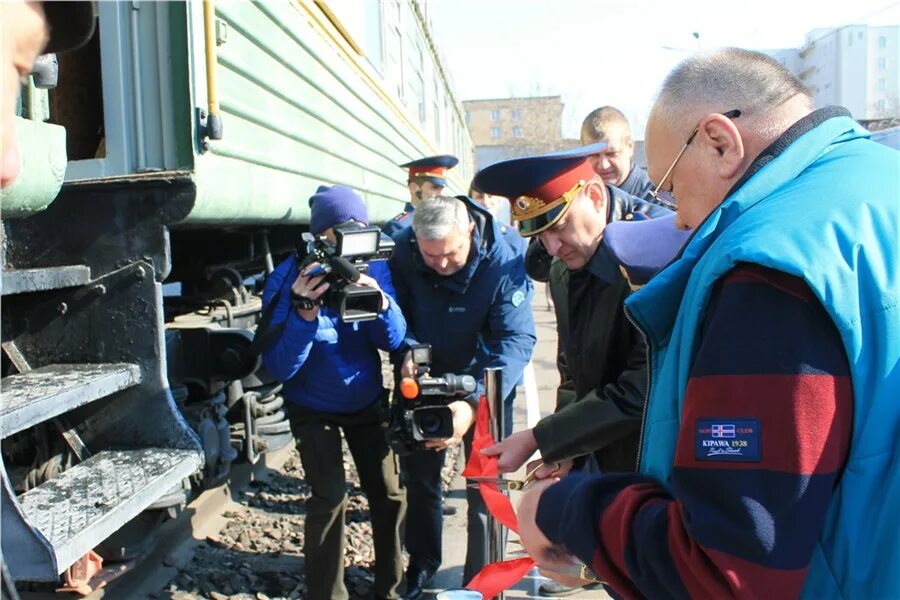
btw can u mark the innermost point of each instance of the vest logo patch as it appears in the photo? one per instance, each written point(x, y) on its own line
point(727, 439)
point(456, 309)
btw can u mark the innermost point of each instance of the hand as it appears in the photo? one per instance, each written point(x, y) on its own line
point(463, 417)
point(369, 281)
point(550, 469)
point(309, 287)
point(513, 451)
point(549, 557)
point(408, 367)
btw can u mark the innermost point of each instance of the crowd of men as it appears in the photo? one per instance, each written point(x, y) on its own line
point(728, 430)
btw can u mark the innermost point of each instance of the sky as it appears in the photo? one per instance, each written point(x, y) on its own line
point(616, 52)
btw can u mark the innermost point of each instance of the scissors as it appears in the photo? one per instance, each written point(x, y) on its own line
point(514, 485)
point(578, 570)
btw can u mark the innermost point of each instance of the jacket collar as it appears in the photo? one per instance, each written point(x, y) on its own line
point(656, 305)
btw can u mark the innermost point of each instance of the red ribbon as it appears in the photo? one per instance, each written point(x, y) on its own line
point(498, 576)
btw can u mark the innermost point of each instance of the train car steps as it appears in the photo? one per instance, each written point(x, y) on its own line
point(85, 504)
point(21, 281)
point(38, 395)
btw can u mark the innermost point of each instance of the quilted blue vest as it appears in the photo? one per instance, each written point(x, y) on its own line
point(826, 209)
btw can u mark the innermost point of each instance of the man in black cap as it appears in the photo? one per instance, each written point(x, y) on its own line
point(560, 198)
point(28, 29)
point(427, 178)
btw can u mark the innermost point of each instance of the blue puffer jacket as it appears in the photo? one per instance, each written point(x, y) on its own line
point(826, 208)
point(328, 365)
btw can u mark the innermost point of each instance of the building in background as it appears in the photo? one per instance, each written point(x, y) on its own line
point(856, 66)
point(504, 128)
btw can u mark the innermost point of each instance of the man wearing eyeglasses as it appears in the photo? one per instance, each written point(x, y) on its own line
point(768, 466)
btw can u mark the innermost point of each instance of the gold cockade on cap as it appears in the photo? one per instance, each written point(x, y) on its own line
point(528, 207)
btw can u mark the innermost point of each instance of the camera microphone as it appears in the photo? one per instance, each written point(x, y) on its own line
point(344, 268)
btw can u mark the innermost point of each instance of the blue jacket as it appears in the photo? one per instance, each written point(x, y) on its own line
point(476, 318)
point(826, 209)
point(637, 183)
point(511, 236)
point(400, 222)
point(328, 365)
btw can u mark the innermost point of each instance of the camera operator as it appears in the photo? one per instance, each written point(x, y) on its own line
point(464, 291)
point(333, 380)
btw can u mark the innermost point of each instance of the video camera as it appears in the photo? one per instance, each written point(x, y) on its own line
point(423, 413)
point(341, 263)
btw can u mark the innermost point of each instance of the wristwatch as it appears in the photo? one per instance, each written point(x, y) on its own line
point(302, 302)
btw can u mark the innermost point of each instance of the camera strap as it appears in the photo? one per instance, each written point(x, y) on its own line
point(266, 335)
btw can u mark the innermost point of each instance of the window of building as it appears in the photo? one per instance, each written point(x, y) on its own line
point(516, 114)
point(495, 114)
point(879, 106)
point(374, 34)
point(882, 63)
point(495, 132)
point(882, 84)
point(414, 70)
point(517, 132)
point(850, 38)
point(393, 46)
point(468, 117)
point(882, 41)
point(859, 35)
point(436, 108)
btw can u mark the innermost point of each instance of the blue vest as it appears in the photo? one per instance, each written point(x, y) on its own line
point(826, 209)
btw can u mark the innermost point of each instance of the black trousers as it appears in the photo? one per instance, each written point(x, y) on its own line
point(424, 516)
point(319, 443)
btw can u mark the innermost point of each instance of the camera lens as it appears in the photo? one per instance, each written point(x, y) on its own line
point(430, 423)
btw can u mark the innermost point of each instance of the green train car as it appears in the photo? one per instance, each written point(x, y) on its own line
point(163, 175)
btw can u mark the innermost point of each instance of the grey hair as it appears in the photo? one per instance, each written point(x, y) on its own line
point(723, 80)
point(435, 217)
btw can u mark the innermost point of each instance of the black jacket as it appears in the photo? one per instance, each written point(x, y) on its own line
point(599, 408)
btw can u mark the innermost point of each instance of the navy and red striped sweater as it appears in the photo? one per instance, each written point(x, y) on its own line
point(770, 363)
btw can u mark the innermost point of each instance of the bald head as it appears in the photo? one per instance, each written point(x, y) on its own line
point(716, 113)
point(765, 92)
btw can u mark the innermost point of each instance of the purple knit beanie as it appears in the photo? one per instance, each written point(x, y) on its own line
point(334, 205)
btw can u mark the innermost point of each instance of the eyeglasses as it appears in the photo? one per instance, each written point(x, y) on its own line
point(731, 114)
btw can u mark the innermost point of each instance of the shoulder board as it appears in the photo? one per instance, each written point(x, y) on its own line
point(400, 217)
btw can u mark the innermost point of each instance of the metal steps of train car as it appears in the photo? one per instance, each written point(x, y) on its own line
point(20, 281)
point(85, 504)
point(29, 398)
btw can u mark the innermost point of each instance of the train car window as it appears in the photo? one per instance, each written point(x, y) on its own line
point(77, 101)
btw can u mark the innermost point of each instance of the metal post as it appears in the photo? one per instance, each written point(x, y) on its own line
point(493, 384)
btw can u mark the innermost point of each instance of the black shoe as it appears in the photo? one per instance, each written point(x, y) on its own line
point(416, 581)
point(448, 510)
